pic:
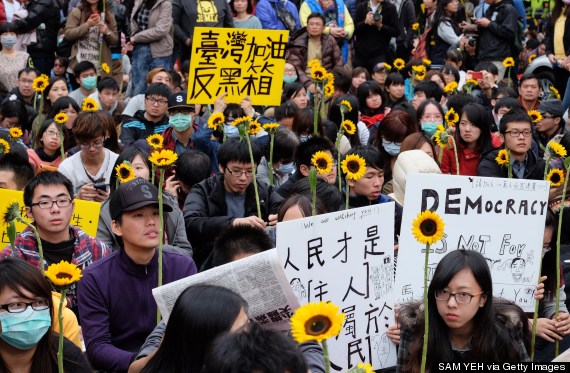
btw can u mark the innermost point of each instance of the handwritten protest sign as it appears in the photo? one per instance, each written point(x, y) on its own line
point(240, 62)
point(85, 216)
point(503, 219)
point(346, 257)
point(259, 279)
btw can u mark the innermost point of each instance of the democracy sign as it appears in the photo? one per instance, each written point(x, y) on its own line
point(346, 257)
point(239, 62)
point(503, 219)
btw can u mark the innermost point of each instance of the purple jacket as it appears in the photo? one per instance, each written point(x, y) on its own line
point(116, 306)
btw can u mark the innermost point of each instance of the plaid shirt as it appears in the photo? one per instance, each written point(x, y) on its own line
point(86, 250)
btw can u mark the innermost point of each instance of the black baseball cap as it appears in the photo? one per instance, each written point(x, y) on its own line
point(178, 100)
point(132, 196)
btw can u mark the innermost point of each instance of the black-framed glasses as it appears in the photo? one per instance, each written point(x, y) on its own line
point(462, 297)
point(61, 202)
point(517, 133)
point(155, 101)
point(238, 173)
point(18, 307)
point(95, 144)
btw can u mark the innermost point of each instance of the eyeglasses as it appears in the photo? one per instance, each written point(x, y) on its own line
point(548, 117)
point(238, 173)
point(62, 202)
point(52, 133)
point(95, 144)
point(461, 297)
point(155, 101)
point(517, 133)
point(18, 307)
point(26, 81)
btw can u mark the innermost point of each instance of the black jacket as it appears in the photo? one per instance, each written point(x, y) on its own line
point(205, 212)
point(140, 128)
point(534, 169)
point(368, 40)
point(123, 24)
point(550, 36)
point(41, 12)
point(497, 41)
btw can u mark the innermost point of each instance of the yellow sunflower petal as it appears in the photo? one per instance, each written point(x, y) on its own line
point(322, 162)
point(316, 322)
point(428, 227)
point(40, 83)
point(318, 73)
point(254, 128)
point(105, 68)
point(415, 26)
point(155, 141)
point(502, 157)
point(15, 133)
point(353, 166)
point(555, 177)
point(348, 127)
point(270, 126)
point(125, 172)
point(216, 120)
point(535, 115)
point(4, 146)
point(61, 118)
point(89, 104)
point(63, 274)
point(557, 149)
point(508, 62)
point(399, 63)
point(450, 87)
point(345, 106)
point(163, 158)
point(531, 58)
point(241, 120)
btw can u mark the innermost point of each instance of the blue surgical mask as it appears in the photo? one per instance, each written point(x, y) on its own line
point(8, 41)
point(286, 168)
point(231, 131)
point(180, 122)
point(289, 79)
point(89, 82)
point(24, 330)
point(430, 127)
point(392, 148)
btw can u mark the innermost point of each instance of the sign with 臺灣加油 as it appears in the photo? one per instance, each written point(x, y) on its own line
point(238, 62)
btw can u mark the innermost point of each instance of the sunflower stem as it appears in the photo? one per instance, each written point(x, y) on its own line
point(153, 169)
point(35, 99)
point(39, 240)
point(337, 146)
point(60, 342)
point(160, 235)
point(326, 355)
point(426, 313)
point(61, 138)
point(455, 152)
point(313, 186)
point(509, 166)
point(561, 212)
point(254, 176)
point(534, 319)
point(271, 142)
point(316, 109)
point(347, 188)
point(546, 166)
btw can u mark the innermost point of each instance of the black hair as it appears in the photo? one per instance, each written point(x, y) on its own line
point(432, 90)
point(408, 108)
point(284, 147)
point(508, 102)
point(236, 150)
point(63, 60)
point(128, 154)
point(317, 15)
point(175, 79)
point(28, 70)
point(21, 167)
point(7, 27)
point(15, 108)
point(158, 89)
point(82, 67)
point(529, 76)
point(47, 103)
point(487, 66)
point(249, 10)
point(46, 178)
point(290, 90)
point(426, 103)
point(394, 79)
point(450, 69)
point(478, 117)
point(335, 116)
point(255, 350)
point(370, 154)
point(200, 314)
point(454, 55)
point(458, 100)
point(514, 115)
point(285, 110)
point(342, 80)
point(239, 239)
point(306, 149)
point(304, 203)
point(303, 122)
point(506, 91)
point(327, 193)
point(234, 111)
point(192, 167)
point(107, 83)
point(366, 89)
point(61, 104)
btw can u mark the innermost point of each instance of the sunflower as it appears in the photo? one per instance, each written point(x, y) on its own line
point(531, 58)
point(322, 162)
point(40, 83)
point(420, 76)
point(329, 90)
point(125, 172)
point(12, 212)
point(399, 63)
point(329, 77)
point(348, 127)
point(426, 62)
point(421, 69)
point(242, 120)
point(353, 166)
point(503, 157)
point(387, 67)
point(555, 177)
point(441, 137)
point(163, 158)
point(428, 227)
point(535, 116)
point(254, 128)
point(367, 368)
point(345, 106)
point(4, 147)
point(61, 118)
point(557, 149)
point(451, 117)
point(508, 62)
point(63, 274)
point(450, 87)
point(89, 104)
point(471, 81)
point(316, 322)
point(15, 133)
point(314, 63)
point(155, 141)
point(105, 68)
point(415, 26)
point(216, 120)
point(271, 126)
point(554, 92)
point(318, 73)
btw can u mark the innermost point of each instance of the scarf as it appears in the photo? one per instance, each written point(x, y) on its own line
point(369, 121)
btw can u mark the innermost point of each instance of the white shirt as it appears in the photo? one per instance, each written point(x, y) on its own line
point(74, 170)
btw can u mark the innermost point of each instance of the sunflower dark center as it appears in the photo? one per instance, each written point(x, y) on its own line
point(353, 166)
point(319, 74)
point(555, 178)
point(63, 275)
point(428, 227)
point(125, 172)
point(317, 325)
point(322, 163)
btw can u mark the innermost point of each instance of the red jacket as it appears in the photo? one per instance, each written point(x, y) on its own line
point(468, 159)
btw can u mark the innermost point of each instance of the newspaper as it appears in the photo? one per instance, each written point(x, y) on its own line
point(259, 279)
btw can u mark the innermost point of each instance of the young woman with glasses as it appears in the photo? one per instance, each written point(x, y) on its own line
point(46, 154)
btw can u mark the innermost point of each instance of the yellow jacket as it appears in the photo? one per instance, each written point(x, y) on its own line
point(70, 325)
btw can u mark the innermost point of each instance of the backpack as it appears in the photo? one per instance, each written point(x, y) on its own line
point(285, 16)
point(422, 47)
point(519, 34)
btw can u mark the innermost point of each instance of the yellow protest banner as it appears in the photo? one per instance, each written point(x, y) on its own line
point(239, 62)
point(85, 215)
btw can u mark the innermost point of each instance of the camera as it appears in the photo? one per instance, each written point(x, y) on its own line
point(377, 17)
point(471, 41)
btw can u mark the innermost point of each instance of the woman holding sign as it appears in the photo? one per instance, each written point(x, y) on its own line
point(466, 324)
